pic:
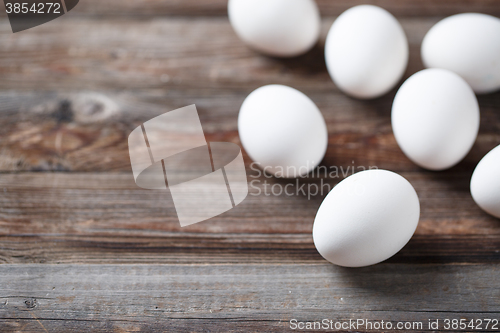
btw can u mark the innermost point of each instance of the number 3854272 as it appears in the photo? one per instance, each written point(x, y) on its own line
point(35, 8)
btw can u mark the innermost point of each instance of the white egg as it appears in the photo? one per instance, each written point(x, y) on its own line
point(485, 183)
point(282, 28)
point(367, 218)
point(435, 118)
point(366, 51)
point(469, 45)
point(283, 131)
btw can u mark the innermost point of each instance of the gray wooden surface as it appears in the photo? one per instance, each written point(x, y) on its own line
point(82, 248)
point(239, 297)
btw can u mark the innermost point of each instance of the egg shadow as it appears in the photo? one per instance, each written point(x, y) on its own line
point(311, 63)
point(392, 284)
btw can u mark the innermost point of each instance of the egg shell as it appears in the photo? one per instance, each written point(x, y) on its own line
point(469, 45)
point(485, 183)
point(282, 130)
point(367, 218)
point(282, 28)
point(435, 118)
point(366, 52)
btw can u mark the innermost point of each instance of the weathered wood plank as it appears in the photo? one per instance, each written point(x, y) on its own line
point(106, 204)
point(163, 53)
point(178, 63)
point(44, 132)
point(263, 249)
point(238, 298)
point(105, 217)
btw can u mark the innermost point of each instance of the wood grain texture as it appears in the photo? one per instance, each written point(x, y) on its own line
point(52, 129)
point(197, 56)
point(239, 297)
point(42, 132)
point(105, 217)
point(161, 53)
point(82, 248)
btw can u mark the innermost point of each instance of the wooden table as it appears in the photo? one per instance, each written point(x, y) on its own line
point(82, 248)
